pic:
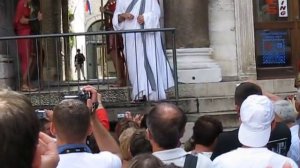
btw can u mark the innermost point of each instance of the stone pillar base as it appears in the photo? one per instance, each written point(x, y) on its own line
point(194, 65)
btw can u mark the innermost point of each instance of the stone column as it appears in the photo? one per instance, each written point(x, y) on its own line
point(190, 18)
point(245, 39)
point(51, 24)
point(7, 12)
point(8, 52)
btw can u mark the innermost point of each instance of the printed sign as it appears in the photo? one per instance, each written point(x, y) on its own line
point(273, 48)
point(283, 8)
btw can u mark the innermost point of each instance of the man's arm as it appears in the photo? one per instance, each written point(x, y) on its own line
point(83, 57)
point(103, 138)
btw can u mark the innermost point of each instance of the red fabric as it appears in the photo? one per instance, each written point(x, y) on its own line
point(24, 45)
point(22, 10)
point(111, 6)
point(103, 117)
point(88, 6)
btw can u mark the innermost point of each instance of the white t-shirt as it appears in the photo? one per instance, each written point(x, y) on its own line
point(252, 158)
point(294, 152)
point(207, 154)
point(177, 156)
point(88, 160)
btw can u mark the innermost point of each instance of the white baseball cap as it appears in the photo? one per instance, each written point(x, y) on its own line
point(257, 114)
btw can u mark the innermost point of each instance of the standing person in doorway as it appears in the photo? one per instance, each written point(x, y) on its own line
point(114, 44)
point(22, 27)
point(79, 61)
point(149, 71)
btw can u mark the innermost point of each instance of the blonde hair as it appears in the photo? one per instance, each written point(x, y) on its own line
point(124, 140)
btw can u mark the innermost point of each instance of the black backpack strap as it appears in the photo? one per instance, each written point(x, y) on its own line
point(190, 161)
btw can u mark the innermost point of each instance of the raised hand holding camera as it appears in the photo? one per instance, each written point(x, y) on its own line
point(94, 101)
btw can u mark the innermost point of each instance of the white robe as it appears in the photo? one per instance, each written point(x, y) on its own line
point(134, 53)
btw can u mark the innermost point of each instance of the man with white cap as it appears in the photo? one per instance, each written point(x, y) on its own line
point(256, 114)
point(286, 113)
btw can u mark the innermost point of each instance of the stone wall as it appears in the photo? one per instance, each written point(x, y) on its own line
point(190, 19)
point(222, 34)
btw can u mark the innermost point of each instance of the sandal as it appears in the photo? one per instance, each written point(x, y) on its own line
point(28, 89)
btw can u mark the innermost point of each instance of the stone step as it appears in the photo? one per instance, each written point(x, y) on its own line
point(214, 99)
point(220, 89)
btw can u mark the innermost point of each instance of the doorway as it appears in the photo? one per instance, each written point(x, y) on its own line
point(276, 24)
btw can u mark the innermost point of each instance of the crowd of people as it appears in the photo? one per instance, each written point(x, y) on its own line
point(78, 133)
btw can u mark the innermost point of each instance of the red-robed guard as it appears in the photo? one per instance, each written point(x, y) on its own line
point(22, 28)
point(114, 43)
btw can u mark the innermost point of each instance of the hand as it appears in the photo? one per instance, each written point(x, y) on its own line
point(140, 19)
point(137, 118)
point(40, 16)
point(127, 16)
point(95, 96)
point(102, 9)
point(48, 150)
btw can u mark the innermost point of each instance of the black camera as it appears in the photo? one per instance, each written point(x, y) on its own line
point(41, 114)
point(82, 96)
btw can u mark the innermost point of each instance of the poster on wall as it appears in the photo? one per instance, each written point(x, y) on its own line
point(282, 8)
point(273, 48)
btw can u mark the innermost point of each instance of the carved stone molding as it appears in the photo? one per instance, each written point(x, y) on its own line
point(245, 39)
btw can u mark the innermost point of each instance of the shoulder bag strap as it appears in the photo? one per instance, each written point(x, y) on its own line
point(190, 161)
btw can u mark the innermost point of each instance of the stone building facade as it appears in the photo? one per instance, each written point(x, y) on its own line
point(219, 38)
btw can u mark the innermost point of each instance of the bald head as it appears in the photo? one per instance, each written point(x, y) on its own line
point(166, 123)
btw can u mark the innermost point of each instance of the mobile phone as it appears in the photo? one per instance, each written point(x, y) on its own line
point(120, 116)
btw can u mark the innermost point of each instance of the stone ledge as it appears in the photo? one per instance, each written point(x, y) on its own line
point(194, 65)
point(220, 89)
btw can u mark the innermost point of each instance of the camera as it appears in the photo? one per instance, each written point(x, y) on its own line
point(120, 116)
point(41, 114)
point(82, 96)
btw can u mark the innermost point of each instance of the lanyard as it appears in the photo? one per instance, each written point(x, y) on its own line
point(73, 148)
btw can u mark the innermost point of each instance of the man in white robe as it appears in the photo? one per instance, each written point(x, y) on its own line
point(149, 71)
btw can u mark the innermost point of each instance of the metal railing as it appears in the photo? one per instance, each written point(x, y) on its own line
point(52, 70)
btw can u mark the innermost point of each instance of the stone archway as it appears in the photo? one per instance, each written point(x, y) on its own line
point(94, 44)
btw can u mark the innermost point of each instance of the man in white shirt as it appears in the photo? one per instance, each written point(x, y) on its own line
point(166, 124)
point(72, 123)
point(256, 114)
point(285, 112)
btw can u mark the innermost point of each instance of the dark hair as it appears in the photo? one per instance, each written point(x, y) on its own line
point(166, 123)
point(143, 122)
point(19, 130)
point(139, 143)
point(146, 160)
point(78, 50)
point(206, 130)
point(245, 89)
point(189, 145)
point(71, 119)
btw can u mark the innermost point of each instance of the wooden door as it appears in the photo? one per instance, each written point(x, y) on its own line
point(276, 38)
